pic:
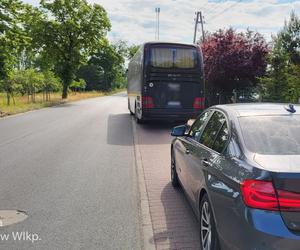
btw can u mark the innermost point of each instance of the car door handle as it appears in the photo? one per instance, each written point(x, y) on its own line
point(187, 151)
point(206, 163)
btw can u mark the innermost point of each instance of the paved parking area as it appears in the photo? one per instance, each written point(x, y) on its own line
point(174, 224)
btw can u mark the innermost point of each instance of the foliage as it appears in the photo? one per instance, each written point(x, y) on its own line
point(13, 37)
point(106, 68)
point(30, 82)
point(91, 75)
point(234, 60)
point(9, 87)
point(78, 85)
point(131, 50)
point(281, 82)
point(74, 30)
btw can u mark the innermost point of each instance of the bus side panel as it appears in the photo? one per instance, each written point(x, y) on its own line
point(135, 80)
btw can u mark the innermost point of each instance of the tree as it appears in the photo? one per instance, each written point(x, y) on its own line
point(28, 82)
point(131, 50)
point(13, 39)
point(109, 61)
point(51, 84)
point(70, 32)
point(92, 76)
point(233, 60)
point(281, 82)
point(288, 40)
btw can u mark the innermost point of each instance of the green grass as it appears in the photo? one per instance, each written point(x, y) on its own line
point(22, 105)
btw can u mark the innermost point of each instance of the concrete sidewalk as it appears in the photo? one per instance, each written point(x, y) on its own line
point(173, 222)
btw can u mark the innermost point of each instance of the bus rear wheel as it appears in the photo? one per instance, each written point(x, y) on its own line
point(131, 113)
point(138, 120)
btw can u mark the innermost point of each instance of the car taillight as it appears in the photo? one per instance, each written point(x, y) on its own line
point(259, 194)
point(147, 102)
point(199, 103)
point(289, 201)
point(262, 195)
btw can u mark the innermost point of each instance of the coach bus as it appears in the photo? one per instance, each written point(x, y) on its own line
point(166, 81)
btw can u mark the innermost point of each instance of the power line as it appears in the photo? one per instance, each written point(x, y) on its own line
point(224, 10)
point(213, 9)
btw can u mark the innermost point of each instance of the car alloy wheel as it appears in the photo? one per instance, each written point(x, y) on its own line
point(208, 232)
point(206, 226)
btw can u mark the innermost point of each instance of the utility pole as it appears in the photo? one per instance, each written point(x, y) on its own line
point(198, 20)
point(157, 12)
point(202, 28)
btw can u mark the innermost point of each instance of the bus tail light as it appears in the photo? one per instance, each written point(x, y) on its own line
point(147, 102)
point(199, 103)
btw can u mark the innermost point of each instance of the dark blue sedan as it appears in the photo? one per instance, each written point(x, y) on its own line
point(239, 166)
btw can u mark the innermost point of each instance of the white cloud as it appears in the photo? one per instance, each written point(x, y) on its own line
point(134, 20)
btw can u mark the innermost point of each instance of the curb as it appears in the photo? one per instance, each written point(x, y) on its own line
point(147, 228)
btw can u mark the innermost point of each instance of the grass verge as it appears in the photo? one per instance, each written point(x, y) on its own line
point(22, 105)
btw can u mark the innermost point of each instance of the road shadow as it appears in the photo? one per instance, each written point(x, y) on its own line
point(182, 227)
point(63, 105)
point(119, 130)
point(155, 132)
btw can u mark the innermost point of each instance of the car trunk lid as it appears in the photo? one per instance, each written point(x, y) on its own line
point(288, 191)
point(286, 179)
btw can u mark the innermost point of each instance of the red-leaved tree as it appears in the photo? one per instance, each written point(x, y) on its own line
point(233, 60)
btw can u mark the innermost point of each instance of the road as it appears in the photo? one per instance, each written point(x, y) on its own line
point(71, 168)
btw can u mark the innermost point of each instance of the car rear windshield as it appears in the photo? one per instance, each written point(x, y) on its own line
point(272, 135)
point(183, 58)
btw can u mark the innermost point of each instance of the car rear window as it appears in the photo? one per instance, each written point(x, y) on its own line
point(272, 135)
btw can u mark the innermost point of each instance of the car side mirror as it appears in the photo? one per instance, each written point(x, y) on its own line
point(179, 130)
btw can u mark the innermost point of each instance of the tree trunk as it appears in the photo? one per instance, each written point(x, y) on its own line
point(13, 98)
point(8, 98)
point(65, 91)
point(67, 78)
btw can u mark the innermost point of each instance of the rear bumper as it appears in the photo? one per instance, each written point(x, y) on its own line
point(170, 114)
point(259, 229)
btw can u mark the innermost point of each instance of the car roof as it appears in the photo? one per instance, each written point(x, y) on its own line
point(257, 109)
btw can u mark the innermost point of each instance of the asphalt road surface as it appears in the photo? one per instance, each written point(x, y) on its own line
point(71, 169)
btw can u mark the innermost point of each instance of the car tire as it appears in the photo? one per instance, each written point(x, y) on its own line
point(174, 176)
point(208, 233)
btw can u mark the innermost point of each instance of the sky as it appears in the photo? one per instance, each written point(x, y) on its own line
point(134, 20)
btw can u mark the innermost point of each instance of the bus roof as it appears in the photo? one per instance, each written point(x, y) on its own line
point(169, 43)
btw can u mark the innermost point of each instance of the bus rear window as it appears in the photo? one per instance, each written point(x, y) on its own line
point(173, 58)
